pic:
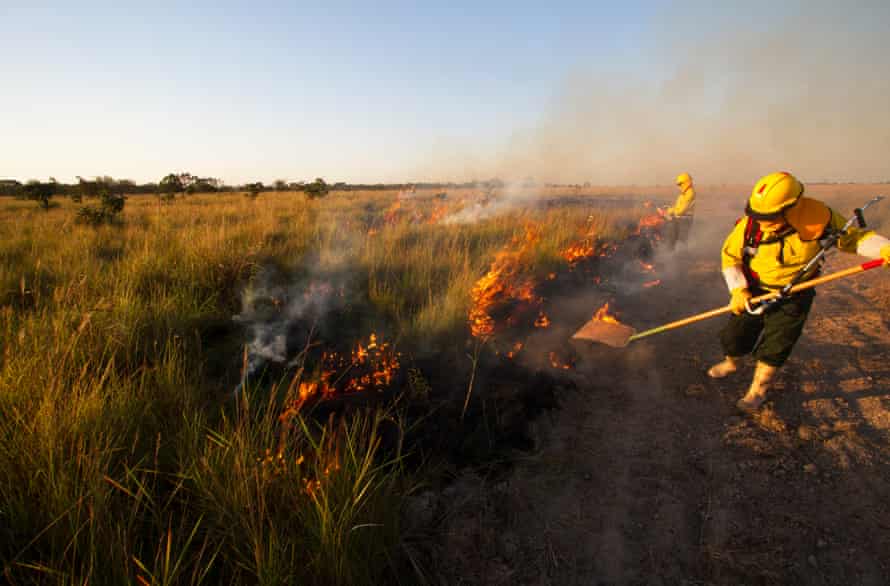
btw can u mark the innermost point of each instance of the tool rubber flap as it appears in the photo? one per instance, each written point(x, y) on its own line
point(603, 332)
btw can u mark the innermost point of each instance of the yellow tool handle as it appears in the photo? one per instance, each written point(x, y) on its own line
point(760, 299)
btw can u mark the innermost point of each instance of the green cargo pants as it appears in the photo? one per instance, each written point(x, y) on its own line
point(771, 336)
point(677, 231)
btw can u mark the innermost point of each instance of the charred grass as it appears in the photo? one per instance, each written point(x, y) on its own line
point(124, 457)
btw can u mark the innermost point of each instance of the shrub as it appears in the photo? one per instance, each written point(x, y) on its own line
point(253, 189)
point(316, 189)
point(112, 205)
point(91, 216)
point(41, 192)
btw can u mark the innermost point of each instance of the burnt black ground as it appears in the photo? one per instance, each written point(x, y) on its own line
point(645, 474)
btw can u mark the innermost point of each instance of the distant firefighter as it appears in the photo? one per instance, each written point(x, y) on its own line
point(775, 240)
point(679, 216)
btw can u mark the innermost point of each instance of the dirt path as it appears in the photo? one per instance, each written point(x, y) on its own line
point(647, 475)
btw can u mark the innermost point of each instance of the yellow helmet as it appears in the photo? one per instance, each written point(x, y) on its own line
point(684, 179)
point(773, 194)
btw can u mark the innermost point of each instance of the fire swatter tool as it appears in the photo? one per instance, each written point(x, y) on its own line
point(619, 335)
point(607, 330)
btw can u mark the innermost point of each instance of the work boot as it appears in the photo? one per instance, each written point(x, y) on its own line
point(756, 395)
point(728, 366)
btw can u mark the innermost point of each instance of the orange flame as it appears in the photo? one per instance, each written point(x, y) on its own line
point(505, 280)
point(543, 321)
point(602, 314)
point(577, 252)
point(378, 361)
point(651, 221)
point(392, 213)
point(439, 212)
point(305, 391)
point(371, 366)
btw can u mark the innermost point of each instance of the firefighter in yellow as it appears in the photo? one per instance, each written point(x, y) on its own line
point(777, 237)
point(679, 216)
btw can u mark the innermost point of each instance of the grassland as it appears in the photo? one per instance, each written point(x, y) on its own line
point(124, 458)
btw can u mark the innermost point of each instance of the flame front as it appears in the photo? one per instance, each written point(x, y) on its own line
point(370, 366)
point(505, 280)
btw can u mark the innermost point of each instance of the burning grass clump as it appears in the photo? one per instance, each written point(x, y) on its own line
point(114, 478)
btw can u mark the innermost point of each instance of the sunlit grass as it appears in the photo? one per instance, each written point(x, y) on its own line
point(123, 462)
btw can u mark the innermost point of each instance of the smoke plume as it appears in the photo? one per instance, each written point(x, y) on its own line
point(272, 309)
point(799, 86)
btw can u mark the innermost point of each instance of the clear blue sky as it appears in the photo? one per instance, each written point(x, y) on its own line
point(356, 91)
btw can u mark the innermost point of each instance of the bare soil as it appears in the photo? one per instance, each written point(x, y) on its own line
point(646, 474)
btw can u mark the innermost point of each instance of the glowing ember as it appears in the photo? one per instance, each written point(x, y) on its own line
point(516, 348)
point(313, 473)
point(557, 362)
point(602, 314)
point(375, 364)
point(504, 281)
point(654, 283)
point(370, 366)
point(647, 267)
point(608, 250)
point(543, 321)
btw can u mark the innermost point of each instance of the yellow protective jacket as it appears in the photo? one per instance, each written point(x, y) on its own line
point(771, 261)
point(685, 204)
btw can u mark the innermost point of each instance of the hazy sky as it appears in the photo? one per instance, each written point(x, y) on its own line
point(611, 92)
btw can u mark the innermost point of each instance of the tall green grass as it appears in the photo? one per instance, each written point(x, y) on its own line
point(122, 460)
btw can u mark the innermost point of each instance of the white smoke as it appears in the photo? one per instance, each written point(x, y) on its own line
point(271, 310)
point(736, 96)
point(514, 196)
point(481, 211)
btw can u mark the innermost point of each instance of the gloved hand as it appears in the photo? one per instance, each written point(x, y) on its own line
point(885, 254)
point(740, 296)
